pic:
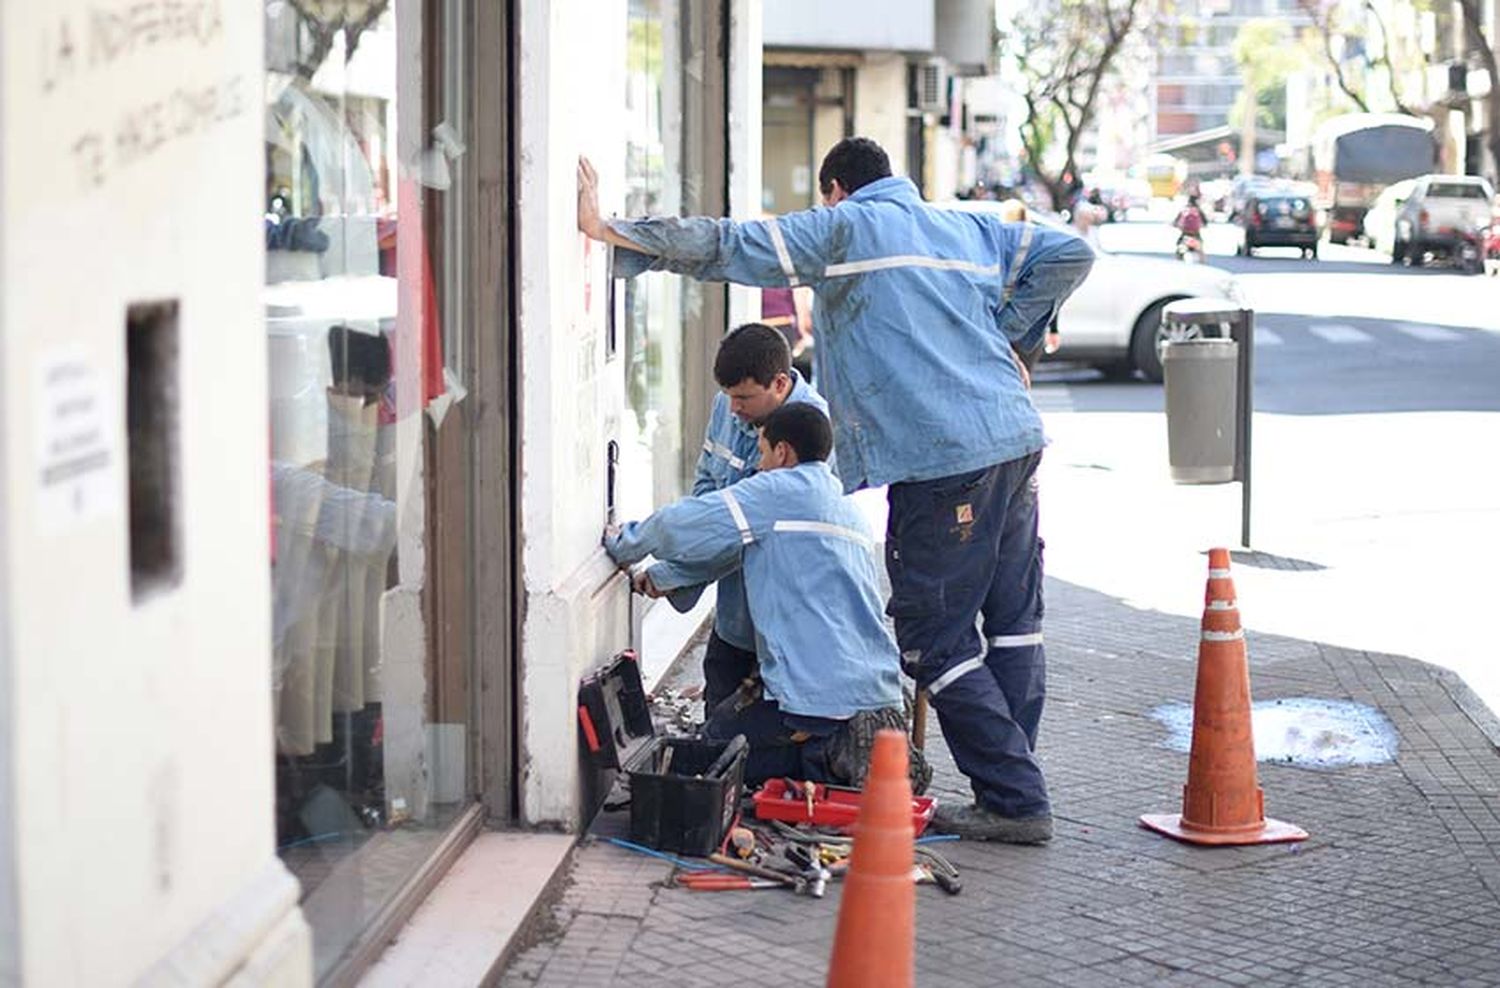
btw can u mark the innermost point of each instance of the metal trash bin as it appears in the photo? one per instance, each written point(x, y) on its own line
point(1202, 391)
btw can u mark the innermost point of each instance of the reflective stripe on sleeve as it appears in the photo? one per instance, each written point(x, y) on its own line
point(955, 673)
point(1224, 636)
point(909, 261)
point(1218, 574)
point(823, 528)
point(782, 254)
point(738, 512)
point(1015, 265)
point(725, 453)
point(1016, 641)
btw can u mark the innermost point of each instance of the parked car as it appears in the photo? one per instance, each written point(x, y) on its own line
point(1277, 217)
point(1242, 187)
point(1442, 214)
point(1114, 320)
point(1380, 218)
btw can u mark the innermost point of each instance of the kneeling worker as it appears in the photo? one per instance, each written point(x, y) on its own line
point(829, 669)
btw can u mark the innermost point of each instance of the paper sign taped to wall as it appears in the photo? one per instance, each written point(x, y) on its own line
point(78, 457)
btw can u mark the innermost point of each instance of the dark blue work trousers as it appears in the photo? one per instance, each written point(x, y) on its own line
point(781, 745)
point(958, 549)
point(725, 667)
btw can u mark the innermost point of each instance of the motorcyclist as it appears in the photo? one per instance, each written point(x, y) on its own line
point(1190, 222)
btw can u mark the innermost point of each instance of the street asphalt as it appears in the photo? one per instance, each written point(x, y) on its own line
point(1365, 589)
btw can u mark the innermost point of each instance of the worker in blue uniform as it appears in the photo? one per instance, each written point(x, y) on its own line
point(926, 318)
point(829, 671)
point(753, 369)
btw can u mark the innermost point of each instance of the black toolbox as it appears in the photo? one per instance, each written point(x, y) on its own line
point(683, 791)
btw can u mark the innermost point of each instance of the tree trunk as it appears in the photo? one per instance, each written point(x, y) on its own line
point(1473, 12)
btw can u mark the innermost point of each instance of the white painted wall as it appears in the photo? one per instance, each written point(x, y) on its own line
point(880, 105)
point(570, 79)
point(745, 135)
point(141, 777)
point(577, 606)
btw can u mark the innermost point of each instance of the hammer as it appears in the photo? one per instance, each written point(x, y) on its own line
point(919, 721)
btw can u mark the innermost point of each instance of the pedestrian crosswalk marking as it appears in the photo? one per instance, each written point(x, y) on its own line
point(1337, 332)
point(1268, 337)
point(1052, 398)
point(1429, 334)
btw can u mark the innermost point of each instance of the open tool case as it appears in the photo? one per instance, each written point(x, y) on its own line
point(683, 791)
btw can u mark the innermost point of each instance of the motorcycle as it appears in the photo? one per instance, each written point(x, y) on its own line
point(1492, 248)
point(1190, 249)
point(1471, 249)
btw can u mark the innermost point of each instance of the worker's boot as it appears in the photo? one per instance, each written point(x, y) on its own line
point(975, 822)
point(849, 748)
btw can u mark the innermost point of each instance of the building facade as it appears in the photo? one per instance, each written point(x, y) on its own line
point(1197, 81)
point(317, 407)
point(893, 71)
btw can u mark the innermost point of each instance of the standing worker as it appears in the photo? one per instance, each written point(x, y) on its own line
point(923, 315)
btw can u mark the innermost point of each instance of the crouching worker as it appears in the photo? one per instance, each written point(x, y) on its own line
point(829, 670)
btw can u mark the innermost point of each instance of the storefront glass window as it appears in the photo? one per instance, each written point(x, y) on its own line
point(363, 164)
point(651, 456)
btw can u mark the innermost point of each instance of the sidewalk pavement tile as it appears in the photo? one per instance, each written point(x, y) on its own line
point(1398, 884)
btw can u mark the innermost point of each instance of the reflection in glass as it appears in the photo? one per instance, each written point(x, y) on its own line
point(368, 770)
point(651, 453)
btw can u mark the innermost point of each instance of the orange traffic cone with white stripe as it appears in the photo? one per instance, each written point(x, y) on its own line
point(1222, 802)
point(875, 943)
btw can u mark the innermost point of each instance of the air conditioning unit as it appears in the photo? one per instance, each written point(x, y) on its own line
point(932, 86)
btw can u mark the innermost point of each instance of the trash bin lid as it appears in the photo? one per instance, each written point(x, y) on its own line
point(1213, 348)
point(1201, 310)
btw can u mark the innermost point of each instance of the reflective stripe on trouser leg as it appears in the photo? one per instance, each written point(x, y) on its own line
point(1019, 666)
point(987, 743)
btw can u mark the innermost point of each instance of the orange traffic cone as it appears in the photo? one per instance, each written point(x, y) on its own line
point(1222, 802)
point(875, 943)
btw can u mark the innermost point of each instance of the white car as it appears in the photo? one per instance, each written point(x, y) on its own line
point(1113, 321)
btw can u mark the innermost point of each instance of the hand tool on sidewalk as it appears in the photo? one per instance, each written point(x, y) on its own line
point(759, 872)
point(742, 840)
point(702, 882)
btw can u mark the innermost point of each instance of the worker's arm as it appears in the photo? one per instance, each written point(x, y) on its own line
point(1054, 266)
point(703, 478)
point(697, 532)
point(772, 253)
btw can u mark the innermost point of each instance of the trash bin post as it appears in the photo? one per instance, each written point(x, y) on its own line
point(1242, 331)
point(1202, 335)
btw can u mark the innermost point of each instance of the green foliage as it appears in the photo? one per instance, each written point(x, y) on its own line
point(1060, 52)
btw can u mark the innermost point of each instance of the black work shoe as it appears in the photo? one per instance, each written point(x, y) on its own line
point(850, 748)
point(974, 822)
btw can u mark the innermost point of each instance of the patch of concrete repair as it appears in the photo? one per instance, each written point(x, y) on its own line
point(1303, 731)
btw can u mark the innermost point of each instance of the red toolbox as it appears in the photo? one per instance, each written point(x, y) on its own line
point(833, 806)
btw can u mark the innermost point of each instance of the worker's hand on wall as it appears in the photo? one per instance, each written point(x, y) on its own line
point(590, 222)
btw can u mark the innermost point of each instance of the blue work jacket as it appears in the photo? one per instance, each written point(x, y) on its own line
point(730, 454)
point(915, 311)
point(810, 577)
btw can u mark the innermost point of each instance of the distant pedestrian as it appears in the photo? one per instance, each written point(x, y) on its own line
point(921, 313)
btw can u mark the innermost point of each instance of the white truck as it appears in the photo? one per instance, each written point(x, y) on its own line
point(1444, 216)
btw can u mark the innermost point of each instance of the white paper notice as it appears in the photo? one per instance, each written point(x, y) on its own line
point(78, 460)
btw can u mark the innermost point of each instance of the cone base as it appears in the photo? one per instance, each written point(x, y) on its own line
point(1273, 832)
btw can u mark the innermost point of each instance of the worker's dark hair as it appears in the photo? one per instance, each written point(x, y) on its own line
point(802, 425)
point(755, 351)
point(855, 162)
